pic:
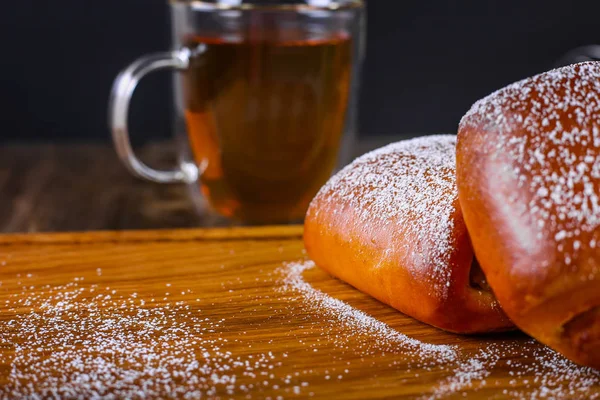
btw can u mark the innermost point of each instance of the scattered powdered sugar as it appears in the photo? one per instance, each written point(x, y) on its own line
point(357, 321)
point(83, 340)
point(94, 342)
point(469, 371)
point(536, 372)
point(411, 183)
point(549, 128)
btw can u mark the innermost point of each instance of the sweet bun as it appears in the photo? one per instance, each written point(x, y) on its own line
point(390, 225)
point(528, 174)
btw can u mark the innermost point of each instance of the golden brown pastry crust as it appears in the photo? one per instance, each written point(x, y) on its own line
point(389, 224)
point(528, 172)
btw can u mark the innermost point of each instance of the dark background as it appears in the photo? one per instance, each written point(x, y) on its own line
point(428, 61)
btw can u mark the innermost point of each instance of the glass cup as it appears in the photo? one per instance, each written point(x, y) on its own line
point(265, 102)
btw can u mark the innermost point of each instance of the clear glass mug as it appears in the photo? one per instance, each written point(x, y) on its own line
point(265, 102)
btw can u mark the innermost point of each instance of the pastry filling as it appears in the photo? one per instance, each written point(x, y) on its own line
point(584, 330)
point(477, 277)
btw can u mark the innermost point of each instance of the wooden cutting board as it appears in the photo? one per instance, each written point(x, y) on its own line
point(219, 314)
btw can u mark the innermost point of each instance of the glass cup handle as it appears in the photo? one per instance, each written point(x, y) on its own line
point(121, 94)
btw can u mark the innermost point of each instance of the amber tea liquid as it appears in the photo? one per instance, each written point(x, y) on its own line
point(265, 119)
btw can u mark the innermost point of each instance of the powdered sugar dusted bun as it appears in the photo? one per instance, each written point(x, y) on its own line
point(528, 165)
point(389, 224)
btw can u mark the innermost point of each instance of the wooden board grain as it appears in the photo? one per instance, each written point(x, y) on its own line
point(220, 308)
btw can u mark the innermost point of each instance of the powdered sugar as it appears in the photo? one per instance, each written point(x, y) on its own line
point(95, 342)
point(468, 372)
point(548, 127)
point(534, 372)
point(411, 183)
point(357, 321)
point(86, 340)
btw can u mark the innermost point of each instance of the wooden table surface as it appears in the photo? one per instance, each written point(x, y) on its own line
point(219, 314)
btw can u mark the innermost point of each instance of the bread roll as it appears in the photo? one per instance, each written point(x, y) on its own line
point(528, 170)
point(389, 224)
